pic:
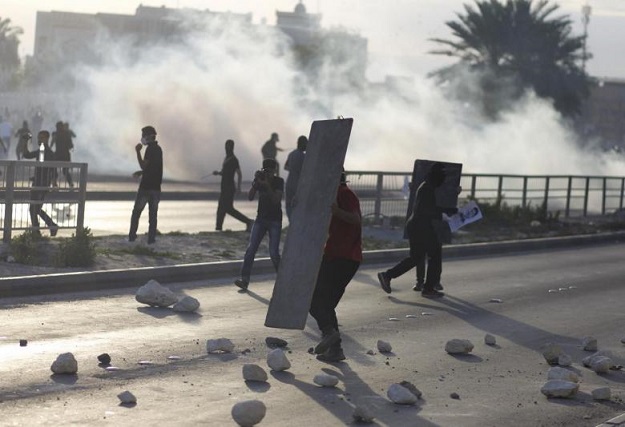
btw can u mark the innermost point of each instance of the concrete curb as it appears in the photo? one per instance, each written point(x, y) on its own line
point(111, 279)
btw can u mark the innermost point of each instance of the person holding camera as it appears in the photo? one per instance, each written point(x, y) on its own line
point(268, 219)
point(229, 169)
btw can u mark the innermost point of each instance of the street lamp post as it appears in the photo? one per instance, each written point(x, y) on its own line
point(586, 11)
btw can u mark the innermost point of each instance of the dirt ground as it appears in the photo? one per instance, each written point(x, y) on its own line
point(115, 252)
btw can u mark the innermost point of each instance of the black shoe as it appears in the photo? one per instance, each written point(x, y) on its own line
point(53, 230)
point(132, 238)
point(327, 341)
point(333, 354)
point(242, 284)
point(431, 293)
point(438, 287)
point(249, 226)
point(385, 282)
point(418, 287)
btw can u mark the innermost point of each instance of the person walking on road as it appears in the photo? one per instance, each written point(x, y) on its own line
point(149, 192)
point(23, 136)
point(341, 258)
point(270, 150)
point(422, 235)
point(44, 178)
point(294, 163)
point(229, 169)
point(62, 138)
point(268, 219)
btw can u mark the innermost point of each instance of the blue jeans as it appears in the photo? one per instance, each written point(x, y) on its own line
point(259, 229)
point(150, 198)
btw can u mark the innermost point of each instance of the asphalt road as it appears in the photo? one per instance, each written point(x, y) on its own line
point(497, 385)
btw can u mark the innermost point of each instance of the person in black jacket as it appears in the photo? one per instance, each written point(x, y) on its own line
point(44, 178)
point(149, 192)
point(422, 235)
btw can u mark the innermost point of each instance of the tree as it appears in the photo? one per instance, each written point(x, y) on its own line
point(9, 57)
point(520, 41)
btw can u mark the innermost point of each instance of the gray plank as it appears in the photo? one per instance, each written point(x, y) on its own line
point(310, 220)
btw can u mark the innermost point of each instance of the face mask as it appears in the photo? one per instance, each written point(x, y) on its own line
point(144, 141)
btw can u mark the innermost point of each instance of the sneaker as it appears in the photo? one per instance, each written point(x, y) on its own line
point(438, 287)
point(327, 341)
point(53, 230)
point(385, 282)
point(242, 284)
point(431, 293)
point(418, 287)
point(333, 354)
point(249, 226)
point(132, 238)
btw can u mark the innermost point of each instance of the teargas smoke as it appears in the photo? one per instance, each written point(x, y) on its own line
point(232, 81)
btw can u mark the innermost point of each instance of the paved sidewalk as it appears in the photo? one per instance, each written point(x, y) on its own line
point(112, 279)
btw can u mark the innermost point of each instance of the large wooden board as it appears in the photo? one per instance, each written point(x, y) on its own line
point(310, 220)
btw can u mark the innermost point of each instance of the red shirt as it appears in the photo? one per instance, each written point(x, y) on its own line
point(345, 239)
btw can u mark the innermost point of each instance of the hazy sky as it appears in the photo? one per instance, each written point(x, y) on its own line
point(397, 30)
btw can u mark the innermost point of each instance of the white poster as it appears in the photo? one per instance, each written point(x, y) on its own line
point(466, 215)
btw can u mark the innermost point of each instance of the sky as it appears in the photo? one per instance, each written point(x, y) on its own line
point(397, 30)
point(234, 87)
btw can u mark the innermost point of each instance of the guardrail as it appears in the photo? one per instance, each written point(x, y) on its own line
point(385, 194)
point(63, 202)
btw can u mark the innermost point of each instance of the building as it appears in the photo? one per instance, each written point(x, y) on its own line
point(603, 114)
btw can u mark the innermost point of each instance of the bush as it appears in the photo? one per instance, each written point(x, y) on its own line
point(27, 248)
point(77, 251)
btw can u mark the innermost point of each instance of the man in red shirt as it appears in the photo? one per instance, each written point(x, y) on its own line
point(341, 259)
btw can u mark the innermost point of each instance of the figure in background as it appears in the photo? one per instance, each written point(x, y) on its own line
point(229, 168)
point(37, 122)
point(23, 136)
point(422, 235)
point(294, 163)
point(44, 177)
point(62, 138)
point(341, 258)
point(6, 132)
point(149, 192)
point(270, 150)
point(268, 219)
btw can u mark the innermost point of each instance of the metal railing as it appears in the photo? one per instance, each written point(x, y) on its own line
point(385, 194)
point(63, 202)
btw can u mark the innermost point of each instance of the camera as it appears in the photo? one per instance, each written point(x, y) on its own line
point(260, 175)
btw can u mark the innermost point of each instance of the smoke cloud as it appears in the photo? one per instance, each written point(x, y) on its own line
point(235, 82)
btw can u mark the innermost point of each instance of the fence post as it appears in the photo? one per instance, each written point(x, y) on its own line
point(546, 201)
point(586, 196)
point(603, 195)
point(620, 205)
point(569, 187)
point(8, 202)
point(473, 183)
point(82, 196)
point(499, 190)
point(378, 199)
point(524, 195)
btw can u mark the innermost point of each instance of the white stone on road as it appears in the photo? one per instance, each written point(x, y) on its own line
point(458, 346)
point(186, 304)
point(325, 380)
point(384, 347)
point(565, 360)
point(65, 363)
point(557, 373)
point(155, 295)
point(602, 393)
point(219, 345)
point(253, 372)
point(560, 388)
point(363, 414)
point(248, 413)
point(277, 360)
point(589, 344)
point(401, 395)
point(601, 364)
point(127, 398)
point(490, 339)
point(551, 353)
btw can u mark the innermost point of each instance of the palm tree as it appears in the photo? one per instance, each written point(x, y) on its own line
point(519, 40)
point(9, 57)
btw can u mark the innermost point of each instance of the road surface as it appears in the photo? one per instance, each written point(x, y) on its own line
point(498, 385)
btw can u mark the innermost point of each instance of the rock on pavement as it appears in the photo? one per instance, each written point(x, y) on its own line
point(384, 347)
point(277, 360)
point(65, 363)
point(219, 345)
point(560, 388)
point(325, 380)
point(401, 395)
point(458, 346)
point(186, 304)
point(253, 372)
point(249, 412)
point(155, 295)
